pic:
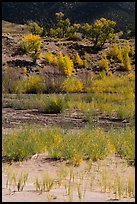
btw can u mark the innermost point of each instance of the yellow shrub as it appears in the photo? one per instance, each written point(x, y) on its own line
point(104, 64)
point(55, 61)
point(131, 76)
point(126, 64)
point(129, 49)
point(120, 57)
point(85, 63)
point(65, 64)
point(76, 159)
point(31, 43)
point(114, 51)
point(78, 60)
point(48, 58)
point(25, 70)
point(72, 85)
point(132, 51)
point(33, 84)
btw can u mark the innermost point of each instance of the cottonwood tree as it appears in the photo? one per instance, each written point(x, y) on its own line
point(101, 31)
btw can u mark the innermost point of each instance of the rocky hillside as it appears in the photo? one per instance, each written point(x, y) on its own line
point(20, 12)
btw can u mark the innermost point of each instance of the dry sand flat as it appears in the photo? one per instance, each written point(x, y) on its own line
point(39, 164)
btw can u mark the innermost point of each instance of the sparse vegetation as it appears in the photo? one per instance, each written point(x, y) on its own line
point(69, 76)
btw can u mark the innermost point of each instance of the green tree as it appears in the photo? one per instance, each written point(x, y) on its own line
point(100, 32)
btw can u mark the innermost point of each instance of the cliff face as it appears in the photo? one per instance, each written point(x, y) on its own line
point(20, 12)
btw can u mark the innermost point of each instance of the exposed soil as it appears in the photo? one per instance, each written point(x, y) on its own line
point(14, 58)
point(39, 164)
point(73, 120)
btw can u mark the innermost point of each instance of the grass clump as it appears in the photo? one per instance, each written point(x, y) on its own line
point(45, 184)
point(33, 85)
point(72, 85)
point(52, 105)
point(18, 181)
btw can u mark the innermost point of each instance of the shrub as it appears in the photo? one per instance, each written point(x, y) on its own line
point(131, 51)
point(122, 55)
point(33, 84)
point(20, 86)
point(78, 61)
point(50, 59)
point(65, 64)
point(63, 28)
point(114, 52)
point(126, 64)
point(124, 142)
point(104, 64)
point(52, 105)
point(31, 44)
point(85, 63)
point(25, 71)
point(35, 29)
point(72, 85)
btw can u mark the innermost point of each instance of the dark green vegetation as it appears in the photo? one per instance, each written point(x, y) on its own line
point(80, 12)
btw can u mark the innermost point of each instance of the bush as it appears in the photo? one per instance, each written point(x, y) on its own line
point(50, 59)
point(126, 64)
point(72, 85)
point(114, 52)
point(104, 64)
point(122, 55)
point(78, 61)
point(52, 105)
point(31, 44)
point(65, 64)
point(35, 29)
point(33, 85)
